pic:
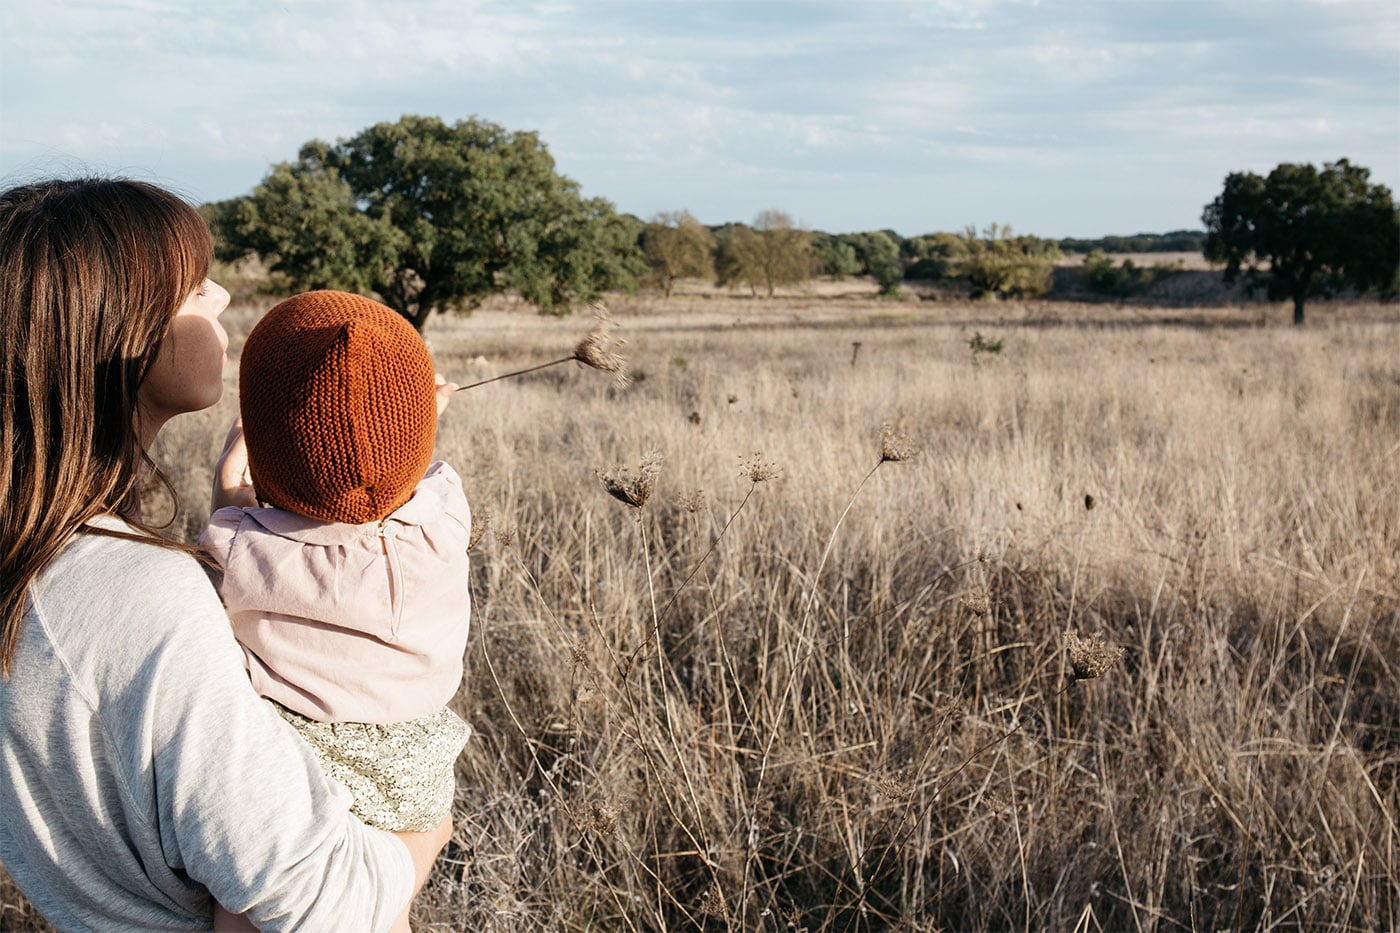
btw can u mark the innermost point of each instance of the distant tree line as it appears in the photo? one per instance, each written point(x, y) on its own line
point(1175, 241)
point(431, 216)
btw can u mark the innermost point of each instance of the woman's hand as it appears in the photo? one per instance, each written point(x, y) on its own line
point(232, 483)
point(442, 392)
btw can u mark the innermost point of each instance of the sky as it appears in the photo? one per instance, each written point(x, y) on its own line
point(1062, 118)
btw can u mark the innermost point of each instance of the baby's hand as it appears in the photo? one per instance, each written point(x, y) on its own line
point(443, 392)
point(233, 485)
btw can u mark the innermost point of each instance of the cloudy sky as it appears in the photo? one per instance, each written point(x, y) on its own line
point(1059, 117)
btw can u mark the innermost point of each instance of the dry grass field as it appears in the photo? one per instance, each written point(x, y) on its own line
point(822, 678)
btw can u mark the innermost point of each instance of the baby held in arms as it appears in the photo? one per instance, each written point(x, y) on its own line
point(344, 567)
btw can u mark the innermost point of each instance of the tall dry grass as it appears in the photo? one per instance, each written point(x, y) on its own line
point(807, 687)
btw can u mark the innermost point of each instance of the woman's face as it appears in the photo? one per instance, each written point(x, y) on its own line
point(188, 373)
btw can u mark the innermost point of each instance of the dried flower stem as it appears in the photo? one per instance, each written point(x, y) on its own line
point(518, 372)
point(658, 618)
point(797, 662)
point(595, 351)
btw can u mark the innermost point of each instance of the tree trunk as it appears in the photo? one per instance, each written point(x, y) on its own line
point(1297, 310)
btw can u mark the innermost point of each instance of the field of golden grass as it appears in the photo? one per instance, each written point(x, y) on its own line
point(814, 683)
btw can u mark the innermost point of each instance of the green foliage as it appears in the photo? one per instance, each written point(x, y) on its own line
point(770, 253)
point(1102, 276)
point(877, 251)
point(432, 216)
point(1175, 241)
point(832, 256)
point(676, 245)
point(999, 264)
point(935, 255)
point(1302, 233)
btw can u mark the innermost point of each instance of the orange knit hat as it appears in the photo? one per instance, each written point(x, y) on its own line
point(336, 394)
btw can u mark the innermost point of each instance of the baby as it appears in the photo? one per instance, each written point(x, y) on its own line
point(344, 570)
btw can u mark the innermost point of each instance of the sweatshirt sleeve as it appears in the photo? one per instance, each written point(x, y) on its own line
point(241, 804)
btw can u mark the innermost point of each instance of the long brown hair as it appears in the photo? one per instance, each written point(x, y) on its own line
point(91, 272)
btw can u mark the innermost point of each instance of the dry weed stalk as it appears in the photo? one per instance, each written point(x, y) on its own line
point(1088, 659)
point(756, 470)
point(597, 350)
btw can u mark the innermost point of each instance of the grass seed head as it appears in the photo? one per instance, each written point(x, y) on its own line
point(505, 535)
point(634, 488)
point(481, 520)
point(895, 445)
point(1090, 658)
point(597, 348)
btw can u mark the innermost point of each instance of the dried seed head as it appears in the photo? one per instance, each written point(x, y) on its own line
point(713, 904)
point(634, 488)
point(481, 520)
point(996, 801)
point(757, 470)
point(596, 349)
point(505, 535)
point(602, 818)
point(977, 603)
point(1090, 658)
point(692, 502)
point(892, 787)
point(895, 445)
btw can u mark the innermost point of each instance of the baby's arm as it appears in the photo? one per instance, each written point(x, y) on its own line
point(232, 483)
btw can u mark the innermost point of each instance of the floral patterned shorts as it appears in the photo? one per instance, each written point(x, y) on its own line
point(401, 774)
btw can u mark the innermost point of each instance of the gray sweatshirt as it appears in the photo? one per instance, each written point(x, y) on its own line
point(140, 773)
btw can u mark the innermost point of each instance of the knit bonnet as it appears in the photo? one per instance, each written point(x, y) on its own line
point(337, 397)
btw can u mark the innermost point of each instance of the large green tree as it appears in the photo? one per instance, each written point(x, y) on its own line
point(676, 245)
point(772, 252)
point(433, 216)
point(1302, 233)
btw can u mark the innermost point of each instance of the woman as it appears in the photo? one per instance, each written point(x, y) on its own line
point(141, 778)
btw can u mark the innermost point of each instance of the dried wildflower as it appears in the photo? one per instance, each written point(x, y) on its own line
point(692, 502)
point(481, 520)
point(892, 787)
point(977, 603)
point(712, 903)
point(602, 818)
point(505, 535)
point(1090, 658)
point(996, 801)
point(895, 445)
point(596, 349)
point(757, 470)
point(1089, 502)
point(733, 398)
point(634, 488)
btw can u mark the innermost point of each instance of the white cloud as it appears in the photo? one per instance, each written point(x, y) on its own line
point(726, 104)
